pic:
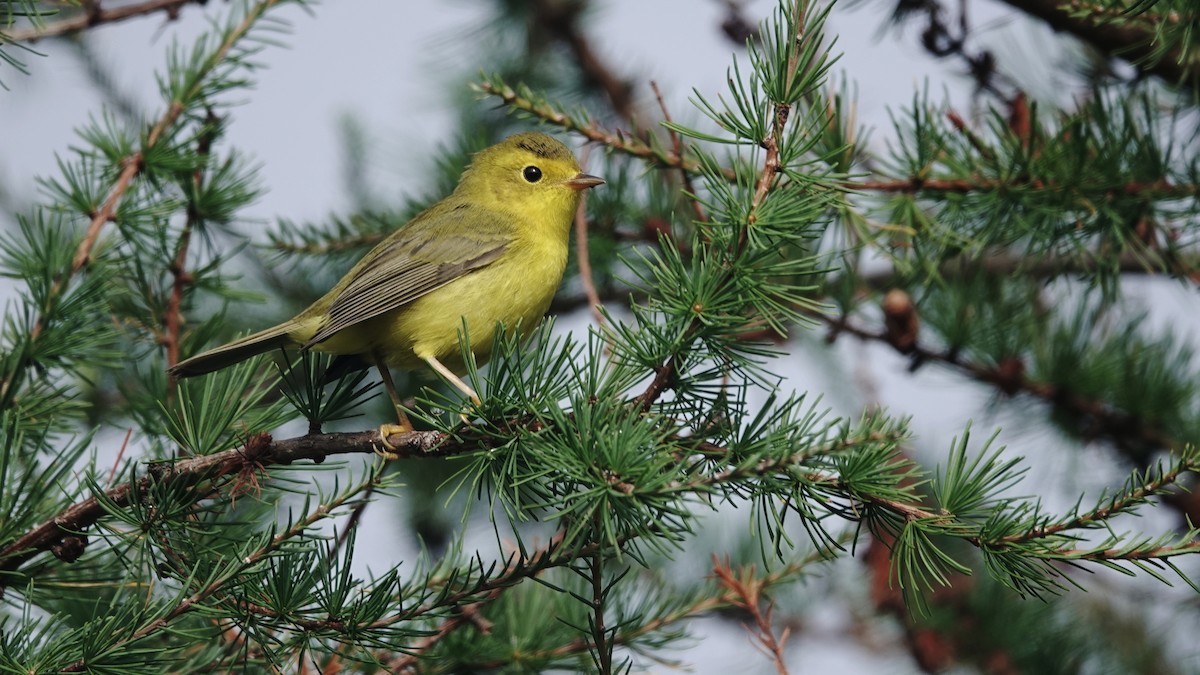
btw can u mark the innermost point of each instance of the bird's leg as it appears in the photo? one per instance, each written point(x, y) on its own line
point(458, 384)
point(404, 426)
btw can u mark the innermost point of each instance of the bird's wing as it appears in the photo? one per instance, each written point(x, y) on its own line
point(430, 252)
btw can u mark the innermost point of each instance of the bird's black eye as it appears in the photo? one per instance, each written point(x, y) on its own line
point(532, 174)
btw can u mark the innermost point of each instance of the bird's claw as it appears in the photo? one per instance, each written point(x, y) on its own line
point(386, 430)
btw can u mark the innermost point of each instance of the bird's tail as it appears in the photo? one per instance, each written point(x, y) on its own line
point(236, 351)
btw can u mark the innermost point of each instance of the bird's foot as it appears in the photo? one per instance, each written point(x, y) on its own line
point(386, 430)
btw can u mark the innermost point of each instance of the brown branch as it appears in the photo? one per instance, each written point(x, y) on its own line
point(174, 312)
point(1047, 267)
point(559, 20)
point(744, 589)
point(466, 614)
point(1010, 380)
point(664, 376)
point(259, 451)
point(1163, 188)
point(180, 277)
point(120, 454)
point(1135, 44)
point(771, 166)
point(677, 144)
point(600, 638)
point(95, 16)
point(132, 165)
point(584, 258)
point(1140, 494)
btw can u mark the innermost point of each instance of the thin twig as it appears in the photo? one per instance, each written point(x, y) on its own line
point(466, 614)
point(583, 255)
point(600, 636)
point(95, 16)
point(664, 376)
point(180, 277)
point(356, 514)
point(745, 590)
point(559, 19)
point(120, 454)
point(677, 144)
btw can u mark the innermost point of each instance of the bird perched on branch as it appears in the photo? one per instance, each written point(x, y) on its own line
point(493, 251)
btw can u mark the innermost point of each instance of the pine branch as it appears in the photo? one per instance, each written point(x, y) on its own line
point(701, 604)
point(133, 164)
point(259, 451)
point(1005, 264)
point(1142, 47)
point(212, 588)
point(467, 614)
point(746, 590)
point(1009, 379)
point(180, 277)
point(1160, 189)
point(524, 99)
point(560, 19)
point(1139, 492)
point(766, 179)
point(1048, 542)
point(933, 650)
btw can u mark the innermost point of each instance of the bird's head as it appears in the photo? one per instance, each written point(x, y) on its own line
point(530, 173)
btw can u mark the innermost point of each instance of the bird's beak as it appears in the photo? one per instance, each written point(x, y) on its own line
point(583, 181)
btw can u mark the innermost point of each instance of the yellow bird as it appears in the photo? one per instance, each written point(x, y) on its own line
point(493, 250)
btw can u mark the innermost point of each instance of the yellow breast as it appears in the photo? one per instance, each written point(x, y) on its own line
point(515, 290)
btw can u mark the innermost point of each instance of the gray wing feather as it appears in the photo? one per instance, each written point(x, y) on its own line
point(403, 270)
